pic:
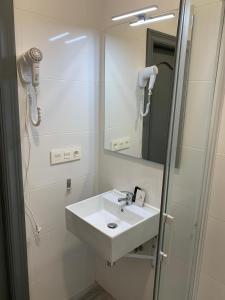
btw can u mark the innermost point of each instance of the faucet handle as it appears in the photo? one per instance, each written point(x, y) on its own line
point(128, 197)
point(128, 194)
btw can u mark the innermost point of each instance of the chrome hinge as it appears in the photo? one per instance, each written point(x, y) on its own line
point(168, 219)
point(163, 255)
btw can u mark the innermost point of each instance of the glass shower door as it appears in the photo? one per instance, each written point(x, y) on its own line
point(183, 181)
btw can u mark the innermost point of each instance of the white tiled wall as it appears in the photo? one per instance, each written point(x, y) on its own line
point(60, 266)
point(212, 278)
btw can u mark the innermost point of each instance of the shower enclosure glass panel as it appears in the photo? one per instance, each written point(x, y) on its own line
point(183, 184)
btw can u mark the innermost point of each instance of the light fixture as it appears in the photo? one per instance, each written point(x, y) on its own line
point(79, 38)
point(153, 19)
point(58, 36)
point(135, 13)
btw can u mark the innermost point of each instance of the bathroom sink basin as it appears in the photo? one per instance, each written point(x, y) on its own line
point(111, 229)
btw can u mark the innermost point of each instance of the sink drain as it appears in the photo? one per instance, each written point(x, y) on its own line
point(112, 225)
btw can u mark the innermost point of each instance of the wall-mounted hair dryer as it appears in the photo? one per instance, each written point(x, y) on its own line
point(146, 75)
point(28, 67)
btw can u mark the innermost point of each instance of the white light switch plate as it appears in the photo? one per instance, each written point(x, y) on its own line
point(56, 157)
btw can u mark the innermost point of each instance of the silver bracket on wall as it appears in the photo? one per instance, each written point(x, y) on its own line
point(151, 257)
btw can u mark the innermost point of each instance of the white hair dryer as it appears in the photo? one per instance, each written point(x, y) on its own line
point(28, 67)
point(145, 75)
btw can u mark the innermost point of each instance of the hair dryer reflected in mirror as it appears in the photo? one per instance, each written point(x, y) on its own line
point(28, 67)
point(147, 76)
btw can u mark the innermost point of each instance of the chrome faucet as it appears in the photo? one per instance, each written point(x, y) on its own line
point(127, 200)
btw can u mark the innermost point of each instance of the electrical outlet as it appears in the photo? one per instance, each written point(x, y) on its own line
point(115, 145)
point(76, 153)
point(126, 142)
point(59, 156)
point(120, 144)
point(66, 155)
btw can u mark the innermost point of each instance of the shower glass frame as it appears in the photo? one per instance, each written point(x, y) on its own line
point(185, 20)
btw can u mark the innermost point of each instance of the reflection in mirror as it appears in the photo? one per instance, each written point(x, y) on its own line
point(139, 69)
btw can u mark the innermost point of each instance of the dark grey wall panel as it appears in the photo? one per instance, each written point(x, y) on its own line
point(11, 188)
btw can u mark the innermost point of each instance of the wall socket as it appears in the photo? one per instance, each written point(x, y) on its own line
point(59, 156)
point(120, 144)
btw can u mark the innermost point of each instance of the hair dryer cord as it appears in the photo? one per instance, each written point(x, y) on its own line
point(36, 122)
point(147, 109)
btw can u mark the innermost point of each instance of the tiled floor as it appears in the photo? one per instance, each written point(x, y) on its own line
point(97, 293)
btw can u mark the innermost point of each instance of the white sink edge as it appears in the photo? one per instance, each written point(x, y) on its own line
point(119, 234)
point(119, 204)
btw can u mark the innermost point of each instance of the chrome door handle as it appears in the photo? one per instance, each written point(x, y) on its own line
point(163, 255)
point(168, 219)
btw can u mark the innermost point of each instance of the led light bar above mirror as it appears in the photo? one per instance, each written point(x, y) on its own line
point(152, 20)
point(135, 13)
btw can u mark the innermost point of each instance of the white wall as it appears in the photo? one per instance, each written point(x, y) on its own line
point(212, 277)
point(60, 266)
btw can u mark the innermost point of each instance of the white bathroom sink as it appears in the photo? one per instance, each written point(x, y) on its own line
point(89, 220)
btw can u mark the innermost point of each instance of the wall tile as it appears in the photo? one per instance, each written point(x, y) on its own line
point(48, 203)
point(212, 279)
point(77, 61)
point(182, 232)
point(41, 173)
point(197, 115)
point(122, 280)
point(75, 12)
point(175, 287)
point(213, 258)
point(125, 173)
point(23, 4)
point(67, 107)
point(210, 289)
point(65, 277)
point(217, 205)
point(221, 139)
point(205, 37)
point(51, 247)
point(189, 174)
point(203, 2)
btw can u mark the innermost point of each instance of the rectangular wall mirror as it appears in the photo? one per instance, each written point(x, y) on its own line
point(136, 115)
